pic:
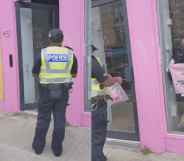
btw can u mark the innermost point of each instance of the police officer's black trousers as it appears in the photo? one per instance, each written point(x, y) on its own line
point(99, 130)
point(47, 106)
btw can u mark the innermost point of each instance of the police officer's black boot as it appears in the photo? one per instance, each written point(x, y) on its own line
point(39, 141)
point(57, 145)
point(57, 151)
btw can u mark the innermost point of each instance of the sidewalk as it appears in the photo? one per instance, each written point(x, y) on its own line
point(119, 153)
point(16, 136)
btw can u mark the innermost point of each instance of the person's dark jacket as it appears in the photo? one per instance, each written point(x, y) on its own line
point(97, 71)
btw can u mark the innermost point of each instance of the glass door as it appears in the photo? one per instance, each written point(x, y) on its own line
point(110, 35)
point(33, 24)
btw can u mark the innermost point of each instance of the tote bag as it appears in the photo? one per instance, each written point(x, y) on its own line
point(117, 93)
point(177, 74)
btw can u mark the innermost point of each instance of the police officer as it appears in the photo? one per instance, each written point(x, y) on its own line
point(55, 67)
point(99, 81)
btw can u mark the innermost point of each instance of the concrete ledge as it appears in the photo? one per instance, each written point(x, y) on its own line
point(125, 144)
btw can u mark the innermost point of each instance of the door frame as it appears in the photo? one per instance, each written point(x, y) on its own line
point(18, 6)
point(118, 134)
point(165, 38)
point(174, 140)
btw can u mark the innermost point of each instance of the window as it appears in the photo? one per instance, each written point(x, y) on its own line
point(172, 40)
point(107, 30)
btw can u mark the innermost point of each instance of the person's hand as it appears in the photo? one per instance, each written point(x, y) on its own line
point(115, 79)
point(111, 80)
point(118, 80)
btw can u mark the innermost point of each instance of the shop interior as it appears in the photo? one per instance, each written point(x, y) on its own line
point(111, 37)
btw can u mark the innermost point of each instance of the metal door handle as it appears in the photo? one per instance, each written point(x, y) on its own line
point(11, 60)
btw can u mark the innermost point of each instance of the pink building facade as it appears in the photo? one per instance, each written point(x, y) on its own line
point(144, 32)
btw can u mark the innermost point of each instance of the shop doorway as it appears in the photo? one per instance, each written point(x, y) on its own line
point(34, 20)
point(171, 14)
point(110, 35)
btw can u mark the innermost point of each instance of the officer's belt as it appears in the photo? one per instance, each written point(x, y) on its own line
point(57, 85)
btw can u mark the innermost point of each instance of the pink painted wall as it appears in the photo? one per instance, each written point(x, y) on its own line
point(145, 52)
point(74, 36)
point(72, 23)
point(145, 47)
point(175, 143)
point(144, 31)
point(144, 34)
point(9, 45)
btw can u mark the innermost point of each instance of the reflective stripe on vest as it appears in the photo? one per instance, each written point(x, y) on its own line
point(56, 65)
point(95, 86)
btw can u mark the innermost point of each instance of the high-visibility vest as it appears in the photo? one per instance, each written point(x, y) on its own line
point(95, 85)
point(56, 65)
